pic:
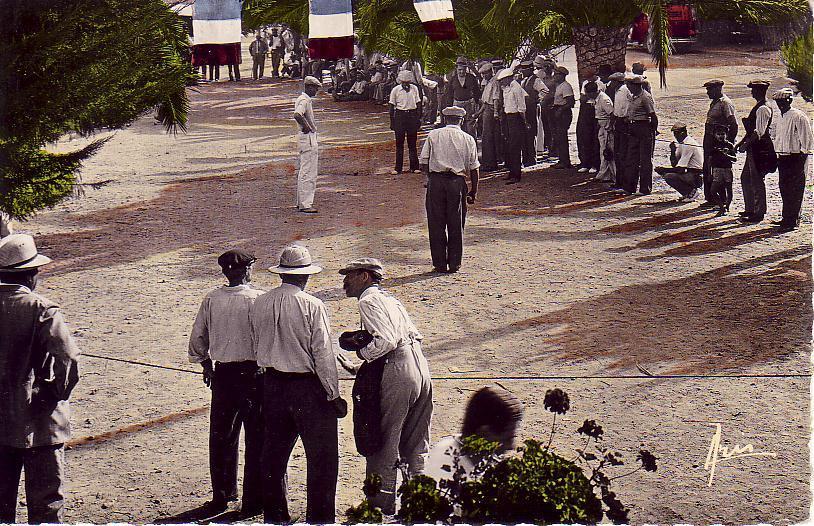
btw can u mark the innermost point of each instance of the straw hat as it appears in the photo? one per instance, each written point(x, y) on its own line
point(18, 253)
point(295, 259)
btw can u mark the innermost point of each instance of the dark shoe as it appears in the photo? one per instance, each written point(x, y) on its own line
point(561, 166)
point(214, 507)
point(778, 222)
point(453, 270)
point(707, 204)
point(751, 219)
point(720, 213)
point(310, 210)
point(786, 228)
point(439, 270)
point(744, 214)
point(512, 180)
point(247, 512)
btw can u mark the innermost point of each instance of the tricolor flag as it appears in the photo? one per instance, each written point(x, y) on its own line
point(216, 32)
point(330, 29)
point(437, 18)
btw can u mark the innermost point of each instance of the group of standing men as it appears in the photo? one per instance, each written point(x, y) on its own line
point(269, 360)
point(267, 44)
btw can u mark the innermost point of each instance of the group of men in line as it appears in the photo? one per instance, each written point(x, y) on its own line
point(267, 44)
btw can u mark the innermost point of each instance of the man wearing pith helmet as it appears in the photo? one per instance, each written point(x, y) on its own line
point(292, 340)
point(448, 156)
point(38, 373)
point(392, 347)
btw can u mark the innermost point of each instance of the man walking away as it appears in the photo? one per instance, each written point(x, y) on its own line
point(405, 120)
point(721, 111)
point(221, 342)
point(38, 371)
point(561, 116)
point(406, 389)
point(793, 142)
point(761, 158)
point(292, 338)
point(686, 164)
point(449, 154)
point(514, 117)
point(258, 50)
point(642, 125)
point(308, 146)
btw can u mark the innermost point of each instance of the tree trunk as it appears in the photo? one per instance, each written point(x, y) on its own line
point(595, 46)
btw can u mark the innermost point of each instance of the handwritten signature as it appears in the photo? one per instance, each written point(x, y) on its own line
point(718, 453)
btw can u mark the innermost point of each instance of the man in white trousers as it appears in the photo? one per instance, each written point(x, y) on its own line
point(308, 147)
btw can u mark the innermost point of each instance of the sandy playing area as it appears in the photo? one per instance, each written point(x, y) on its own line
point(560, 278)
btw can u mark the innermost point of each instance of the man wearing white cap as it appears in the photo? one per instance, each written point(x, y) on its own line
point(793, 142)
point(392, 344)
point(449, 154)
point(686, 169)
point(405, 119)
point(292, 340)
point(308, 146)
point(514, 122)
point(39, 371)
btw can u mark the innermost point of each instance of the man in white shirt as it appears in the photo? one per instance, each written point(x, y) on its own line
point(685, 172)
point(513, 114)
point(561, 116)
point(760, 156)
point(406, 389)
point(405, 119)
point(448, 156)
point(621, 100)
point(603, 112)
point(488, 113)
point(793, 142)
point(221, 341)
point(277, 46)
point(308, 146)
point(292, 340)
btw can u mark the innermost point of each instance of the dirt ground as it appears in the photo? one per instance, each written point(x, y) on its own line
point(560, 278)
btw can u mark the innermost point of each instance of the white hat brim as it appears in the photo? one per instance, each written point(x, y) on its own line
point(38, 261)
point(310, 269)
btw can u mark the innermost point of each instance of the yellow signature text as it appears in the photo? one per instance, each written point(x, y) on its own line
point(718, 453)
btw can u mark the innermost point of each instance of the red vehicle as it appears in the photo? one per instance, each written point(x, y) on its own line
point(682, 25)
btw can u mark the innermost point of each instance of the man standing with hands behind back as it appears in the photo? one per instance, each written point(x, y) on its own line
point(448, 156)
point(308, 146)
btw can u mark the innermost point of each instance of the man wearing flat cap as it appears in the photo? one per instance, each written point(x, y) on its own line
point(721, 112)
point(561, 116)
point(794, 143)
point(642, 124)
point(448, 157)
point(308, 146)
point(638, 68)
point(221, 341)
point(513, 117)
point(405, 119)
point(38, 373)
point(760, 155)
point(488, 115)
point(405, 392)
point(686, 164)
point(292, 340)
point(463, 91)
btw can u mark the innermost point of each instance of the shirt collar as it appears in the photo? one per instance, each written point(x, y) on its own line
point(288, 287)
point(454, 126)
point(373, 289)
point(238, 287)
point(14, 286)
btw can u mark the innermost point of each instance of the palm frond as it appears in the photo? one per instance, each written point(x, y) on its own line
point(656, 11)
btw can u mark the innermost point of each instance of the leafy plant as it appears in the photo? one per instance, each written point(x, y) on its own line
point(797, 56)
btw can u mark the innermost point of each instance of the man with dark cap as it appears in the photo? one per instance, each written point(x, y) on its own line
point(642, 125)
point(448, 156)
point(221, 341)
point(793, 142)
point(686, 164)
point(561, 115)
point(463, 91)
point(488, 113)
point(405, 392)
point(405, 119)
point(532, 86)
point(292, 339)
point(513, 115)
point(38, 372)
point(760, 156)
point(637, 68)
point(587, 130)
point(721, 111)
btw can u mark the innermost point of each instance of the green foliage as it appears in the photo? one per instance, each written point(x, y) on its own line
point(422, 502)
point(798, 56)
point(81, 66)
point(364, 513)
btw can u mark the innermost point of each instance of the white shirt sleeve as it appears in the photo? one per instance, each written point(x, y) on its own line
point(323, 353)
point(424, 158)
point(376, 321)
point(762, 119)
point(199, 338)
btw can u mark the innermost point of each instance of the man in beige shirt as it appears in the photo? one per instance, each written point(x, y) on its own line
point(221, 341)
point(292, 341)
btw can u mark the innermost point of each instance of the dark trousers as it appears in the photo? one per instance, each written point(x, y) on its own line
point(792, 183)
point(214, 72)
point(237, 397)
point(707, 144)
point(683, 183)
point(561, 121)
point(639, 172)
point(754, 187)
point(258, 66)
point(296, 406)
point(234, 71)
point(513, 144)
point(491, 138)
point(587, 137)
point(276, 57)
point(446, 217)
point(545, 118)
point(405, 125)
point(530, 136)
point(620, 140)
point(44, 474)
